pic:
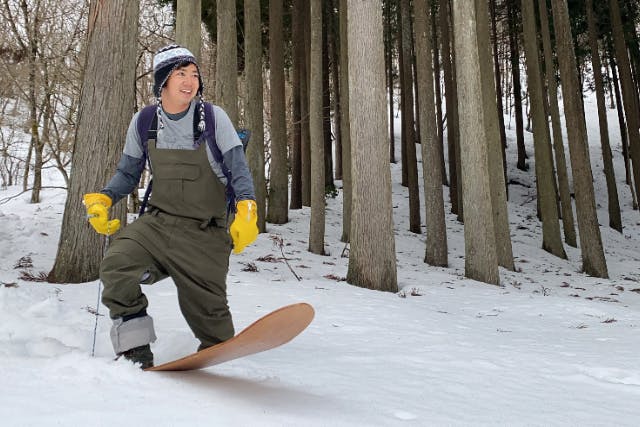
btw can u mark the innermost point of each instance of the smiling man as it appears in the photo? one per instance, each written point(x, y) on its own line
point(197, 162)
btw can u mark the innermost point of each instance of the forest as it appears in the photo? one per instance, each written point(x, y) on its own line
point(319, 84)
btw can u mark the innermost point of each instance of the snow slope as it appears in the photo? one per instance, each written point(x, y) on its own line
point(550, 346)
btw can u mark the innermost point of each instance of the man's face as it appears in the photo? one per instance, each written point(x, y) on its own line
point(182, 86)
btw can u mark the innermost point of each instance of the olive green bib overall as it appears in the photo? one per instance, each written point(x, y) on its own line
point(183, 236)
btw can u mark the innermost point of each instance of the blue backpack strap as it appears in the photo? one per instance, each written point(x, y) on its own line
point(147, 127)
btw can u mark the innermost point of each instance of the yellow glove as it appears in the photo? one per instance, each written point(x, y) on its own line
point(98, 205)
point(244, 229)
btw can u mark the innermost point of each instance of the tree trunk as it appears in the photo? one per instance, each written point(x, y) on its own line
point(481, 259)
point(326, 105)
point(297, 56)
point(226, 59)
point(568, 222)
point(593, 259)
point(345, 127)
point(279, 174)
point(517, 89)
point(624, 140)
point(615, 220)
point(438, 88)
point(107, 103)
point(551, 236)
point(254, 119)
point(408, 129)
point(451, 104)
point(629, 93)
point(372, 259)
point(305, 164)
point(317, 222)
point(436, 248)
point(388, 33)
point(494, 143)
point(498, 83)
point(332, 42)
point(188, 23)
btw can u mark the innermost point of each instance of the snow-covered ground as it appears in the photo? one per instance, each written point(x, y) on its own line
point(550, 346)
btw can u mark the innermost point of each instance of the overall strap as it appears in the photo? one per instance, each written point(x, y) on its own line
point(147, 127)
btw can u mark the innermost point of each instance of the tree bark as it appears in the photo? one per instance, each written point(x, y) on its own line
point(297, 56)
point(317, 221)
point(615, 219)
point(494, 143)
point(254, 119)
point(568, 222)
point(107, 103)
point(345, 126)
point(408, 129)
point(188, 24)
point(551, 236)
point(436, 247)
point(279, 174)
point(372, 259)
point(593, 260)
point(517, 89)
point(481, 259)
point(629, 93)
point(226, 59)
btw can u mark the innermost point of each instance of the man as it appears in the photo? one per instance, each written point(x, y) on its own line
point(184, 233)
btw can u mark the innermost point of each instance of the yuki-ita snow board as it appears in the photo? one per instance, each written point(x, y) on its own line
point(276, 328)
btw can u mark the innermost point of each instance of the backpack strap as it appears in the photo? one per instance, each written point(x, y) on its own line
point(147, 127)
point(210, 136)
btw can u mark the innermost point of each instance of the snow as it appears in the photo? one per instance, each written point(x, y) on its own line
point(550, 346)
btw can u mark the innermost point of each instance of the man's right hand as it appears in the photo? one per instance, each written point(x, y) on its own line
point(98, 205)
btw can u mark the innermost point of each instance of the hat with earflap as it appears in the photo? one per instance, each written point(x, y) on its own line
point(168, 59)
point(165, 61)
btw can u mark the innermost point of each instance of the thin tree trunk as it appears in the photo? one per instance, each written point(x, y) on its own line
point(615, 219)
point(345, 127)
point(438, 89)
point(629, 93)
point(498, 80)
point(316, 227)
point(494, 143)
point(278, 183)
point(451, 104)
point(517, 89)
point(254, 119)
point(624, 141)
point(409, 140)
point(568, 222)
point(297, 57)
point(390, 80)
point(593, 259)
point(551, 236)
point(436, 247)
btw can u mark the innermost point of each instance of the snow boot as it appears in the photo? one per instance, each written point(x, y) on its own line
point(141, 355)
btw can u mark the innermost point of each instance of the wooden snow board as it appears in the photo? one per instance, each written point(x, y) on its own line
point(270, 331)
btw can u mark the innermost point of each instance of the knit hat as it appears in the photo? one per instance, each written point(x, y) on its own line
point(168, 59)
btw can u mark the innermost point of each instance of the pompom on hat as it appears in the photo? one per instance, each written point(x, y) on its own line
point(168, 59)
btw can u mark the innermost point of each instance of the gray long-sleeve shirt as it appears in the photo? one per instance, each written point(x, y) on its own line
point(177, 133)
